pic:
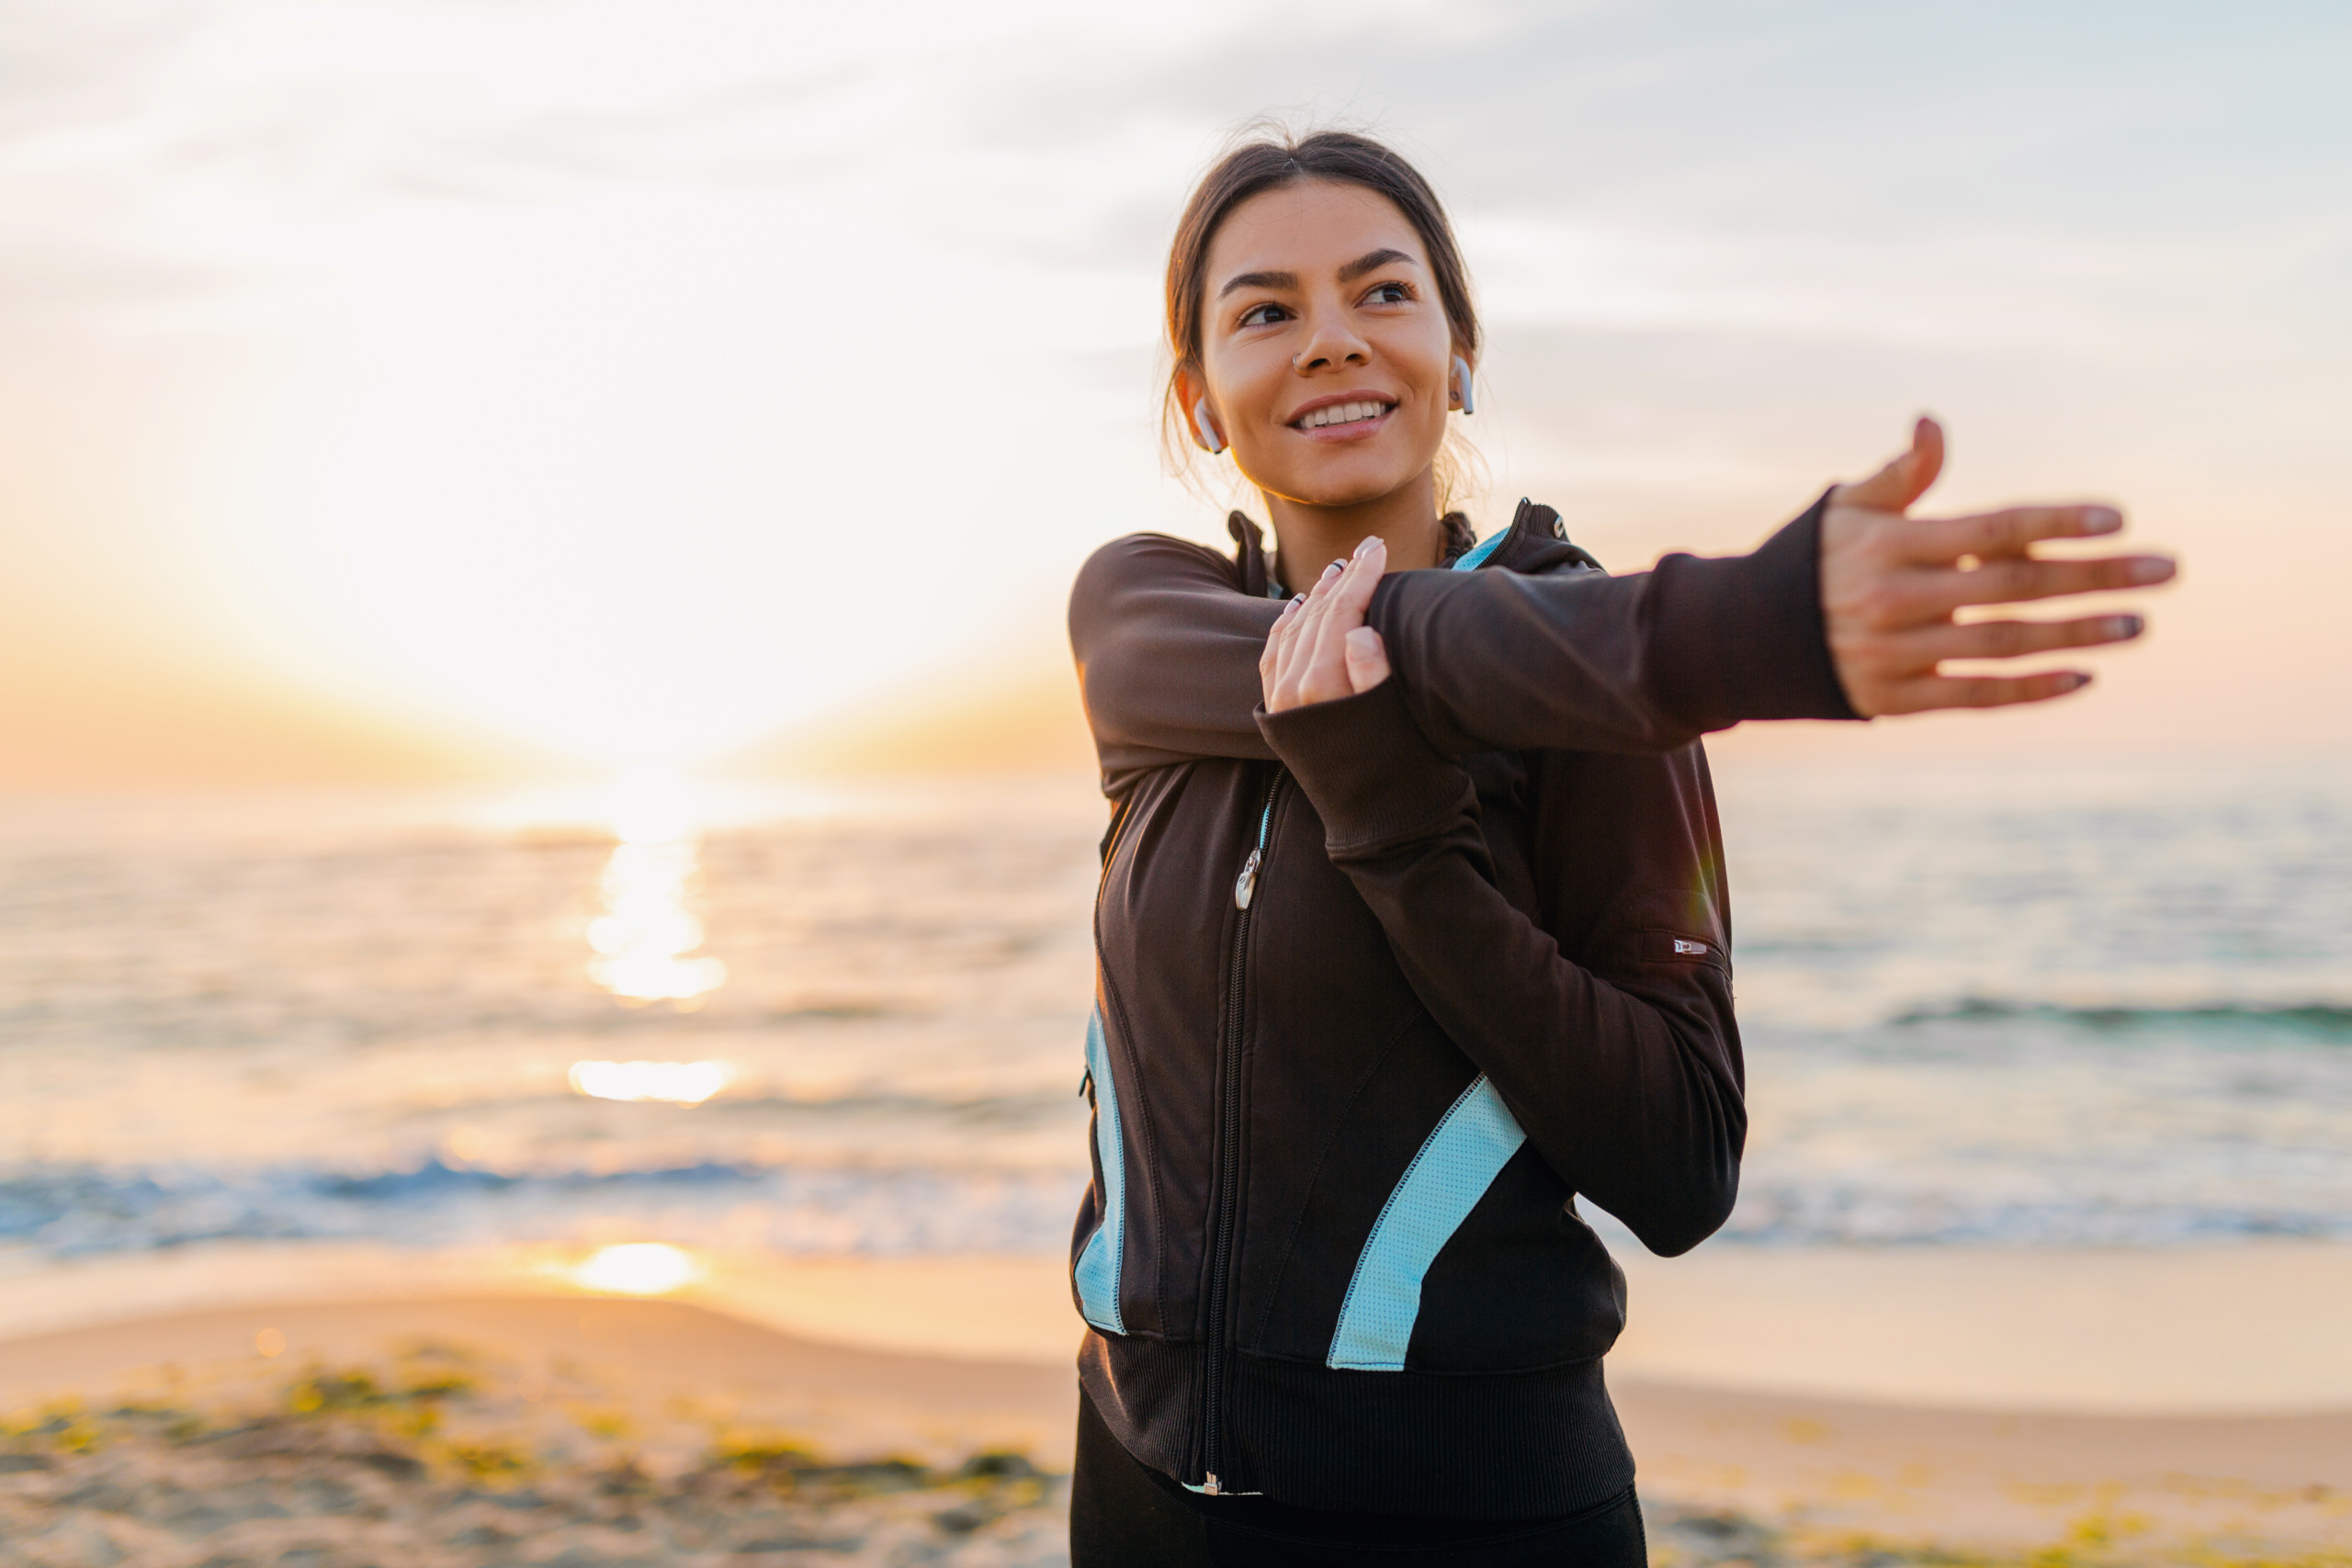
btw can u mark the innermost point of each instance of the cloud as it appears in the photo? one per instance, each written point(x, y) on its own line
point(586, 370)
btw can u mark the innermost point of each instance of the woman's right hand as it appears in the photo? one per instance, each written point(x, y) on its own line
point(1890, 583)
point(1319, 649)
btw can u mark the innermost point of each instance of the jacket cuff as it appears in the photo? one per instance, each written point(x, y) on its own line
point(1748, 639)
point(1372, 776)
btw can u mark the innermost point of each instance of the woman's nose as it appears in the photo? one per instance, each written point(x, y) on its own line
point(1330, 345)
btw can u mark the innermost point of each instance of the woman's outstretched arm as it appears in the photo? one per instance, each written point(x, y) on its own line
point(1845, 613)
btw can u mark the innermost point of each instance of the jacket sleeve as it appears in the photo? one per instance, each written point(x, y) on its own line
point(1619, 1057)
point(1166, 651)
point(1579, 661)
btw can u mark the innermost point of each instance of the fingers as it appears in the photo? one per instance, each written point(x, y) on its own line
point(1270, 661)
point(1309, 668)
point(1905, 478)
point(1307, 653)
point(1351, 594)
point(1342, 610)
point(1929, 691)
point(1295, 651)
point(1989, 535)
point(1898, 673)
point(2015, 640)
point(2018, 580)
point(1890, 664)
point(1367, 659)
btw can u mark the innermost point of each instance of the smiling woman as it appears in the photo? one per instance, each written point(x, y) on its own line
point(1359, 341)
point(1469, 964)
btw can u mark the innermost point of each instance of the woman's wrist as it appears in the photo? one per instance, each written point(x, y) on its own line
point(1372, 775)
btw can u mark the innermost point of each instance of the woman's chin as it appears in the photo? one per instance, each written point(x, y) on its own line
point(1334, 490)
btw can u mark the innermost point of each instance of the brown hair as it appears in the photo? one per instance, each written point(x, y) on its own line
point(1271, 158)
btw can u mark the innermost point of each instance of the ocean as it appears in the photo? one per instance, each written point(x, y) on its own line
point(1993, 1003)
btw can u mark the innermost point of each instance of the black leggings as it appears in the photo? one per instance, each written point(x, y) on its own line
point(1124, 1514)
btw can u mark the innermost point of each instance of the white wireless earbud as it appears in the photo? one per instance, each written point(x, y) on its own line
point(1205, 430)
point(1462, 385)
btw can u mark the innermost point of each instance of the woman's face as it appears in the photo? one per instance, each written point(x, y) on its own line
point(1324, 345)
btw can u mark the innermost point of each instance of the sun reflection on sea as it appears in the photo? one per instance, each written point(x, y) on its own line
point(646, 939)
point(680, 1083)
point(636, 1268)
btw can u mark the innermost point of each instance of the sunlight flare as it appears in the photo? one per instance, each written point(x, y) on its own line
point(636, 1269)
point(678, 1083)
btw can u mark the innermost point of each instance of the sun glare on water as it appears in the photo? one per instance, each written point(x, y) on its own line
point(680, 1083)
point(645, 940)
point(636, 1268)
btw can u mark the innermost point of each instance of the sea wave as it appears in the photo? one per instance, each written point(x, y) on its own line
point(1849, 1214)
point(66, 1211)
point(2329, 1021)
point(74, 1210)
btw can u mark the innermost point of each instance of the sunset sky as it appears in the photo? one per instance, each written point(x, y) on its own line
point(387, 388)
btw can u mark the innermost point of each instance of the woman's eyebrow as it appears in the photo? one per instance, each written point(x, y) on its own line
point(1372, 259)
point(1258, 280)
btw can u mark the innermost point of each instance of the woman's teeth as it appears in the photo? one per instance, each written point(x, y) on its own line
point(1341, 414)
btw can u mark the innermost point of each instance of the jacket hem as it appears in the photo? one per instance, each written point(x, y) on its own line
point(1516, 1445)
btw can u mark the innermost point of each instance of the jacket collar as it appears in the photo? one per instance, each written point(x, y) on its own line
point(1537, 540)
point(1252, 559)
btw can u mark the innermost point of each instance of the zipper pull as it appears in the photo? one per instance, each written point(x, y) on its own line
point(1210, 1487)
point(1245, 885)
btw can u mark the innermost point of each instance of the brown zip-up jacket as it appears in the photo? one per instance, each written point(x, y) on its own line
point(1383, 983)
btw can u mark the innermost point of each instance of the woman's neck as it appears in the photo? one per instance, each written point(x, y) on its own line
point(1308, 537)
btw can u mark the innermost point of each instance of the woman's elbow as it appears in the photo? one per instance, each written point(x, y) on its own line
point(1692, 1214)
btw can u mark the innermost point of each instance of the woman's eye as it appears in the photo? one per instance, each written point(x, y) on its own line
point(1259, 315)
point(1389, 294)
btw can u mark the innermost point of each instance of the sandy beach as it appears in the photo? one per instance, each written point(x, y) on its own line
point(919, 1411)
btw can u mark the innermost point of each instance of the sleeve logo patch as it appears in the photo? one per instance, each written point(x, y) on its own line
point(1698, 948)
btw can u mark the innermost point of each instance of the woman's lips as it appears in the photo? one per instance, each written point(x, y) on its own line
point(1344, 427)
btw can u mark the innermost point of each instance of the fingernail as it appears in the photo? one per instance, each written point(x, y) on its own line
point(2125, 625)
point(1333, 570)
point(1366, 545)
point(1298, 598)
point(2101, 520)
point(2149, 570)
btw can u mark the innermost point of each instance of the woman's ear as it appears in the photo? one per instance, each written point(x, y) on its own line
point(1192, 392)
point(1462, 396)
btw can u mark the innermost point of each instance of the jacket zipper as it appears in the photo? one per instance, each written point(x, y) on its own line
point(1245, 895)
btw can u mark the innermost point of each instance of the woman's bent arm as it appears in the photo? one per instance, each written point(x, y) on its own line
point(1627, 1082)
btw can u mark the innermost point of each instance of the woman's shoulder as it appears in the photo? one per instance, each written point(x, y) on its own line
point(1141, 559)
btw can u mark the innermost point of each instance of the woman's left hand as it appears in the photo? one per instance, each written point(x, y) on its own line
point(1320, 650)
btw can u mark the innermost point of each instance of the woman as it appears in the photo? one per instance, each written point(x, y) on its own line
point(1412, 923)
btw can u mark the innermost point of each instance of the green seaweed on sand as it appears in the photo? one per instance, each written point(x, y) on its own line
point(435, 1455)
point(1682, 1537)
